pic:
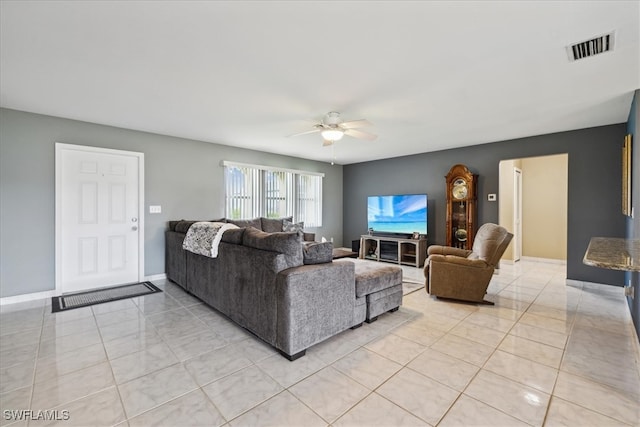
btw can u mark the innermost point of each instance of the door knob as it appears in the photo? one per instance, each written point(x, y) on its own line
point(134, 228)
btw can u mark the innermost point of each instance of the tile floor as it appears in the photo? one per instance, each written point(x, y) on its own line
point(545, 354)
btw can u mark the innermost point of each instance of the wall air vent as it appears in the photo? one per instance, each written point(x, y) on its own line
point(591, 47)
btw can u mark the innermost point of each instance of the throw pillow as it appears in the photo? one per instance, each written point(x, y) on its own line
point(317, 252)
point(183, 226)
point(233, 236)
point(273, 225)
point(255, 223)
point(289, 226)
point(286, 243)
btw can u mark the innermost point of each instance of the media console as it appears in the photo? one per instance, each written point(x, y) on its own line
point(411, 252)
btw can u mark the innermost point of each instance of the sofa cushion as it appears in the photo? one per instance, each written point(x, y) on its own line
point(317, 252)
point(183, 225)
point(242, 223)
point(285, 243)
point(373, 277)
point(172, 225)
point(273, 225)
point(292, 226)
point(233, 235)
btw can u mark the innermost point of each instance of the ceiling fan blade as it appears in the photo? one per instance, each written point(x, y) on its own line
point(326, 143)
point(307, 132)
point(360, 134)
point(352, 124)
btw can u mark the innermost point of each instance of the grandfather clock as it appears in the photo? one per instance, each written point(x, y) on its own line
point(461, 207)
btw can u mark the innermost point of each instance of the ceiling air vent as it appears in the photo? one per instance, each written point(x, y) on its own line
point(591, 47)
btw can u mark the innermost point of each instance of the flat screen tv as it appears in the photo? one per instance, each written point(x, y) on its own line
point(400, 214)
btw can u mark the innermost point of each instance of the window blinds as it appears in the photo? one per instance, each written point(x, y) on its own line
point(252, 191)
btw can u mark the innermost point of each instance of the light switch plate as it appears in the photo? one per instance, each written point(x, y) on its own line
point(155, 209)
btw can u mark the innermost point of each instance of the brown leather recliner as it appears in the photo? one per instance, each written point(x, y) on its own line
point(465, 274)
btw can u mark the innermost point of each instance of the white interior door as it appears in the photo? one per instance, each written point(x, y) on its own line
point(98, 217)
point(517, 214)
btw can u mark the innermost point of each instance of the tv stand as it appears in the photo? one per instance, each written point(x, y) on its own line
point(405, 251)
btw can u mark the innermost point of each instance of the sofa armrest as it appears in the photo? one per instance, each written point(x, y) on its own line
point(314, 302)
point(175, 258)
point(447, 250)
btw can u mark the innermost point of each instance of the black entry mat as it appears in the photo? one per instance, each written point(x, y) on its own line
point(85, 299)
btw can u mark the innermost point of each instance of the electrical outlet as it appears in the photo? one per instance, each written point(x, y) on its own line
point(492, 197)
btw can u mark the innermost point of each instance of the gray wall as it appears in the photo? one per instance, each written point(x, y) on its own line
point(594, 187)
point(183, 176)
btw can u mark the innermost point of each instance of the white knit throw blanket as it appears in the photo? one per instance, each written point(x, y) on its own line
point(203, 238)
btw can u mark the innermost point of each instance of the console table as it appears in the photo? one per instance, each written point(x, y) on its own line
point(411, 252)
point(613, 253)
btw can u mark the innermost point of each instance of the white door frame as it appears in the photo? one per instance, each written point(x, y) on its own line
point(517, 213)
point(59, 147)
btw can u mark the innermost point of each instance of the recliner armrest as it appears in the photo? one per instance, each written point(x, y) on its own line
point(447, 250)
point(454, 259)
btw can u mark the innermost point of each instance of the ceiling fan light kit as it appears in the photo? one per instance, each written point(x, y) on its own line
point(332, 129)
point(332, 135)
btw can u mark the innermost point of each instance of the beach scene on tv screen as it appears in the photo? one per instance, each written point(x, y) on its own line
point(398, 214)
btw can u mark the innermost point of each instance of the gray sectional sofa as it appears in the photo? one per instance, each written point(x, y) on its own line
point(290, 295)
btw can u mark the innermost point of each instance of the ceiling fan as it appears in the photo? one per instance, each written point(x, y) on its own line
point(333, 128)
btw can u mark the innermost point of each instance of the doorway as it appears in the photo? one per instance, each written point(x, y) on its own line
point(99, 217)
point(535, 189)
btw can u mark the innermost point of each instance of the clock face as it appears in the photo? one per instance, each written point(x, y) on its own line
point(460, 189)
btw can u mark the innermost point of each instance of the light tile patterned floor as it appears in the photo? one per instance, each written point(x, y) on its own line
point(545, 354)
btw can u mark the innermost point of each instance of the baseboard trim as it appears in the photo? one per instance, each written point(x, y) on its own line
point(534, 259)
point(27, 297)
point(584, 282)
point(48, 294)
point(637, 346)
point(153, 277)
point(573, 282)
point(544, 260)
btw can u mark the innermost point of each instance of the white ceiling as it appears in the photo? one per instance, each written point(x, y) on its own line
point(428, 75)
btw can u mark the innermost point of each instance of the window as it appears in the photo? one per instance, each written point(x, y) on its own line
point(278, 194)
point(252, 191)
point(309, 200)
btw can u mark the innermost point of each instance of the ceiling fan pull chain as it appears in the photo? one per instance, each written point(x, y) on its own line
point(333, 154)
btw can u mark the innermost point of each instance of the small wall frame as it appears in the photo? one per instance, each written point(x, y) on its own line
point(626, 176)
